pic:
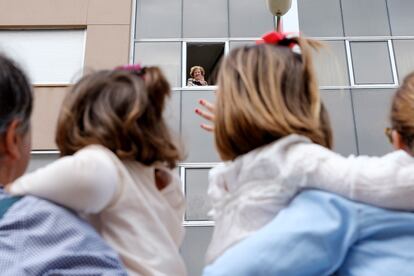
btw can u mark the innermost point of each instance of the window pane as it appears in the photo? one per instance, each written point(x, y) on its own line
point(208, 56)
point(320, 17)
point(339, 106)
point(372, 108)
point(42, 52)
point(367, 17)
point(249, 18)
point(158, 19)
point(194, 248)
point(199, 144)
point(205, 18)
point(371, 62)
point(401, 16)
point(167, 55)
point(196, 185)
point(331, 64)
point(404, 57)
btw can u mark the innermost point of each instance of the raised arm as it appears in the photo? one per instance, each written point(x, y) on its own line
point(309, 237)
point(84, 182)
point(386, 181)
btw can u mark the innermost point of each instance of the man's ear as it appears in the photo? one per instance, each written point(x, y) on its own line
point(397, 141)
point(11, 141)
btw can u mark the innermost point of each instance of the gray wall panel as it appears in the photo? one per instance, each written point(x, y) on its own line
point(158, 19)
point(372, 109)
point(237, 44)
point(320, 17)
point(249, 18)
point(205, 18)
point(194, 248)
point(365, 17)
point(401, 16)
point(199, 144)
point(339, 106)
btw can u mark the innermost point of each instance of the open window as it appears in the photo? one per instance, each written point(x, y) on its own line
point(203, 58)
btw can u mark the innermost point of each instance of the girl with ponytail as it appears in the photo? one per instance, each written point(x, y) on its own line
point(273, 134)
point(117, 167)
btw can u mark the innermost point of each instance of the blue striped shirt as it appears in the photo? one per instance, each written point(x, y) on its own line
point(40, 238)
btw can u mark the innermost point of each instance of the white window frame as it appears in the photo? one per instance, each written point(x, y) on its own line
point(390, 56)
point(183, 167)
point(184, 85)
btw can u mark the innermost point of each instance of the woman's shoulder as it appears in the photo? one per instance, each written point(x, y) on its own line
point(194, 82)
point(190, 82)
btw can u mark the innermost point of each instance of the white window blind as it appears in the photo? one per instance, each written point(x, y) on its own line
point(49, 57)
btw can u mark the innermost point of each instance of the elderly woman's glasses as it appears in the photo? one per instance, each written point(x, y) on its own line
point(388, 133)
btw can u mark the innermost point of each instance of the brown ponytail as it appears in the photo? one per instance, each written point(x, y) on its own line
point(402, 111)
point(157, 87)
point(122, 111)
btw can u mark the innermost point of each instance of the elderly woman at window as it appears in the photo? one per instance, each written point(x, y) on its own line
point(196, 77)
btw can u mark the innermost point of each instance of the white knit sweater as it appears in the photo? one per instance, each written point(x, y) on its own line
point(143, 224)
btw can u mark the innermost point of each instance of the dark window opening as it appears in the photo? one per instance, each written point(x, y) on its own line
point(206, 55)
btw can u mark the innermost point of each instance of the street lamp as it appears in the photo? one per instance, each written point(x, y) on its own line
point(278, 8)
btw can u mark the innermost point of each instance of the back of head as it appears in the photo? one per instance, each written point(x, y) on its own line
point(16, 98)
point(402, 111)
point(267, 92)
point(122, 110)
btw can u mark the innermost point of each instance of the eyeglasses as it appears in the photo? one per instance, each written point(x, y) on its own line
point(388, 133)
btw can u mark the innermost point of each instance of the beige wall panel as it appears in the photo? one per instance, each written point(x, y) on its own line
point(107, 46)
point(109, 12)
point(43, 12)
point(47, 104)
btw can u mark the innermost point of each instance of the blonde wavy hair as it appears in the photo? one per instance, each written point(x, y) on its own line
point(266, 92)
point(122, 111)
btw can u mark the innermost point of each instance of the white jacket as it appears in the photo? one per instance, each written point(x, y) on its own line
point(248, 192)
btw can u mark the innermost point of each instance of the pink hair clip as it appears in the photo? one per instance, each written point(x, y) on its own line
point(134, 68)
point(130, 67)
